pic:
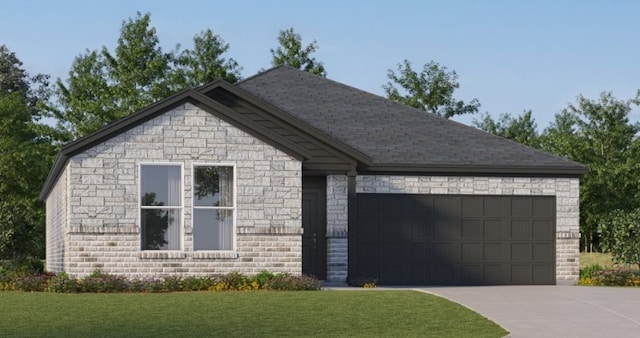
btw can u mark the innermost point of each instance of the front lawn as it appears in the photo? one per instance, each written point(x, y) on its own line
point(222, 314)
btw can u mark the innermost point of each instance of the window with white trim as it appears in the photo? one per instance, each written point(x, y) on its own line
point(213, 207)
point(160, 206)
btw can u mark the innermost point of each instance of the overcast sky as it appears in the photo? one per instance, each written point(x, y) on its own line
point(510, 55)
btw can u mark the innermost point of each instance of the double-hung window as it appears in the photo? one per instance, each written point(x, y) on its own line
point(160, 206)
point(213, 207)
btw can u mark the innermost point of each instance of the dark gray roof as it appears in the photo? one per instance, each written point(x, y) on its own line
point(392, 134)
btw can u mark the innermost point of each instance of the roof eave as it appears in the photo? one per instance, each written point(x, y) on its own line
point(467, 170)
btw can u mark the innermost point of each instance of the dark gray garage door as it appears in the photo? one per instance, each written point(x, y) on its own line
point(406, 239)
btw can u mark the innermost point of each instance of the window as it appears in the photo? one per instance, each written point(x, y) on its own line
point(213, 207)
point(160, 206)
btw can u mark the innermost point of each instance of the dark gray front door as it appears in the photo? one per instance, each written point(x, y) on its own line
point(407, 239)
point(314, 222)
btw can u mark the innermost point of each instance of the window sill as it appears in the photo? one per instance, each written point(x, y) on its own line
point(162, 255)
point(215, 254)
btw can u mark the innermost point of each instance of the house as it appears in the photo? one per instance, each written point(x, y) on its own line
point(290, 172)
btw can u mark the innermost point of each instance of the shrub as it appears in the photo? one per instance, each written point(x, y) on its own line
point(589, 271)
point(234, 281)
point(197, 283)
point(31, 282)
point(103, 282)
point(263, 278)
point(62, 283)
point(289, 282)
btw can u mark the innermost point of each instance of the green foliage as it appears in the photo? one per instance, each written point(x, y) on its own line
point(292, 53)
point(289, 282)
point(620, 235)
point(22, 279)
point(205, 62)
point(522, 129)
point(590, 271)
point(27, 154)
point(598, 133)
point(431, 90)
point(618, 277)
point(104, 86)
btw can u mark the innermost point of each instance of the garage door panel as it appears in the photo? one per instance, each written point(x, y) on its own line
point(520, 207)
point(542, 252)
point(521, 274)
point(446, 228)
point(472, 228)
point(543, 229)
point(471, 252)
point(472, 207)
point(492, 229)
point(521, 229)
point(454, 239)
point(420, 252)
point(543, 208)
point(542, 273)
point(492, 252)
point(520, 252)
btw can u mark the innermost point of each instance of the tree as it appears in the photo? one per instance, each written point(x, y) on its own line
point(598, 133)
point(205, 62)
point(620, 233)
point(104, 86)
point(521, 129)
point(431, 90)
point(292, 53)
point(26, 156)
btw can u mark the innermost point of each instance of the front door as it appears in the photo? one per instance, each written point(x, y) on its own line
point(314, 222)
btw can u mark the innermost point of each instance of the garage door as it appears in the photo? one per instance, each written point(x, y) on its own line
point(403, 239)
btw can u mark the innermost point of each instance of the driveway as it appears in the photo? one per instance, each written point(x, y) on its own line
point(553, 311)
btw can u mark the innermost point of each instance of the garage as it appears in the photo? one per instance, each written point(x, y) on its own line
point(411, 239)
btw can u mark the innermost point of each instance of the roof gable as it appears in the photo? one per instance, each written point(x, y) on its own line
point(157, 109)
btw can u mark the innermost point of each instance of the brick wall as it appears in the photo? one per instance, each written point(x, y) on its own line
point(565, 190)
point(337, 225)
point(104, 211)
point(57, 224)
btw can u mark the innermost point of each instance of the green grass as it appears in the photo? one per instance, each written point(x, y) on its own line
point(224, 314)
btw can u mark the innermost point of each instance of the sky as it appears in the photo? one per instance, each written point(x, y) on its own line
point(510, 55)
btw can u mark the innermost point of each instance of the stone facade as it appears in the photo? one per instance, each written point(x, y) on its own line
point(337, 225)
point(566, 191)
point(97, 215)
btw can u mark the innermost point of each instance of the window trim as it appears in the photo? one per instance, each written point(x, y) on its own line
point(181, 207)
point(234, 208)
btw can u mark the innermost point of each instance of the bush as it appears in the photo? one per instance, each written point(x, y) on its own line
point(197, 283)
point(589, 271)
point(618, 277)
point(99, 282)
point(289, 282)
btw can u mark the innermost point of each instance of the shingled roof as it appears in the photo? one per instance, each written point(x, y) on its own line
point(395, 135)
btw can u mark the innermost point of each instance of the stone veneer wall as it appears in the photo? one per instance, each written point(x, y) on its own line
point(566, 191)
point(337, 225)
point(102, 229)
point(56, 220)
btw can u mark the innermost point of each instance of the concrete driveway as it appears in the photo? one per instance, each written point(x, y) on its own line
point(553, 311)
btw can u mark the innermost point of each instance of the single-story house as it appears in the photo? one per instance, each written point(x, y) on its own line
point(290, 172)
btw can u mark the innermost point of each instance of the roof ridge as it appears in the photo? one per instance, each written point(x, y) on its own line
point(262, 72)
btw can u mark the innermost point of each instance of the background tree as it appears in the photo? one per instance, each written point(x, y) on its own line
point(104, 86)
point(522, 129)
point(26, 154)
point(292, 53)
point(620, 234)
point(598, 133)
point(431, 90)
point(205, 63)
